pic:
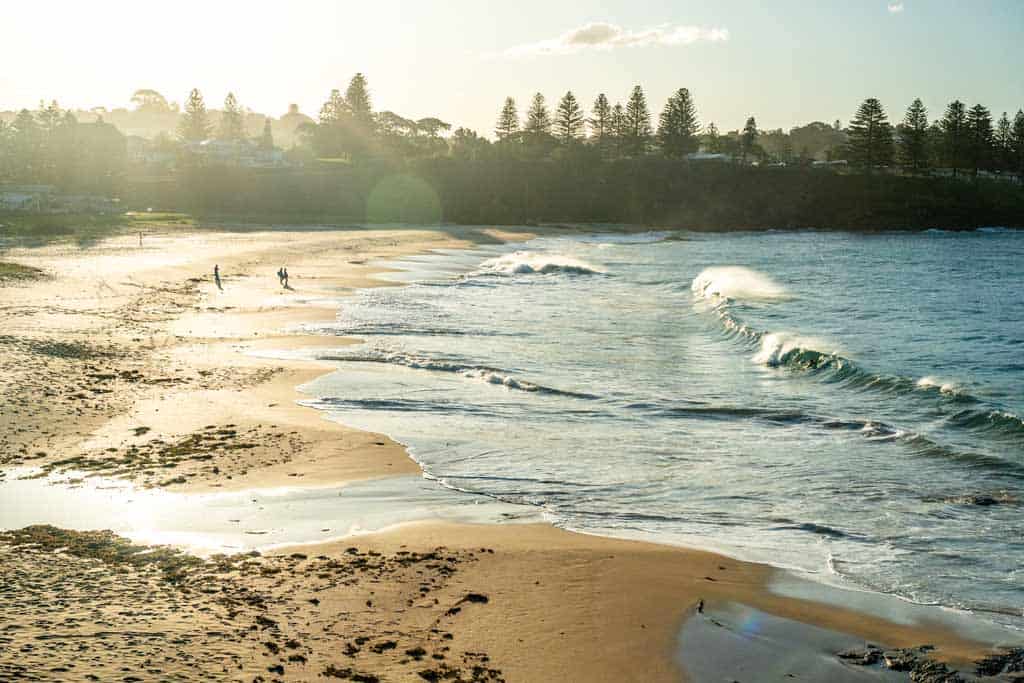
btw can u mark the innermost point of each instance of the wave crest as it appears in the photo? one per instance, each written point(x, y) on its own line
point(533, 263)
point(736, 282)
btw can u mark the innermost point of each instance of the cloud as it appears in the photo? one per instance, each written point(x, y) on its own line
point(895, 6)
point(604, 36)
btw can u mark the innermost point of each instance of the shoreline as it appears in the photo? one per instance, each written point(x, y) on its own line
point(584, 606)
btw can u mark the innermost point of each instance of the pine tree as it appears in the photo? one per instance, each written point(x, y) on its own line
point(601, 121)
point(748, 139)
point(678, 126)
point(979, 137)
point(569, 125)
point(714, 142)
point(1004, 143)
point(870, 144)
point(914, 136)
point(507, 128)
point(195, 122)
point(1017, 146)
point(267, 139)
point(334, 109)
point(954, 136)
point(232, 126)
point(619, 130)
point(638, 123)
point(538, 119)
point(357, 100)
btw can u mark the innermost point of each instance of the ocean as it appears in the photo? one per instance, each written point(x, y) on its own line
point(846, 406)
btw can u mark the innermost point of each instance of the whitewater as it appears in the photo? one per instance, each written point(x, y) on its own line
point(846, 406)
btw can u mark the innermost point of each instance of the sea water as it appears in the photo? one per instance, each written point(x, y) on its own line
point(848, 406)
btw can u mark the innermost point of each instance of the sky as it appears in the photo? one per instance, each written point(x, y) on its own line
point(787, 62)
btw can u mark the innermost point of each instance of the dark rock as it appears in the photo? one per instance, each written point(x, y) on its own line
point(416, 653)
point(930, 671)
point(900, 660)
point(864, 656)
point(1005, 661)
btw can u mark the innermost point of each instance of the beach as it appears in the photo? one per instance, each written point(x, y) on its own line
point(126, 362)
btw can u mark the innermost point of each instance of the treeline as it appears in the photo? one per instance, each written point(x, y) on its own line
point(50, 147)
point(963, 139)
point(613, 163)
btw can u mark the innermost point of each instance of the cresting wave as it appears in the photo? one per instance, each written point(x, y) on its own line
point(489, 375)
point(721, 286)
point(531, 263)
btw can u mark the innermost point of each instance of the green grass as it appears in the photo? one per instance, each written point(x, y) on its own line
point(83, 229)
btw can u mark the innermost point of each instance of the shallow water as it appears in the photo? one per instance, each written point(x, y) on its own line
point(237, 521)
point(845, 405)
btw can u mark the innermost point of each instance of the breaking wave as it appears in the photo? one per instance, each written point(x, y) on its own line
point(721, 287)
point(736, 282)
point(533, 263)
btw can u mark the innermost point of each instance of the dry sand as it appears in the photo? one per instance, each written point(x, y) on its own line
point(128, 362)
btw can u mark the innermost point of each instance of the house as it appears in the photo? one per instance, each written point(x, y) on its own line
point(236, 153)
point(25, 197)
point(708, 156)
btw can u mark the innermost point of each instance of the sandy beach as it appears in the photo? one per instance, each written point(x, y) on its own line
point(125, 361)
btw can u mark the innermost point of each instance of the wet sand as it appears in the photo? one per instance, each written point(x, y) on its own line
point(129, 363)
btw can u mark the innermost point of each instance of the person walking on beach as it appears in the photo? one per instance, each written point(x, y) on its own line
point(280, 276)
point(284, 271)
point(216, 276)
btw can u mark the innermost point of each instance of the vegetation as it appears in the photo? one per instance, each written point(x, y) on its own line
point(607, 165)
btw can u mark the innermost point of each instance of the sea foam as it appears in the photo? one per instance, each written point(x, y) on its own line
point(529, 263)
point(736, 282)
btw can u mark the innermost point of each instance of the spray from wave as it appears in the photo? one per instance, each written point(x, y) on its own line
point(533, 263)
point(736, 282)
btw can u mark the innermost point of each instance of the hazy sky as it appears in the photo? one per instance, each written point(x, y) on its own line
point(786, 62)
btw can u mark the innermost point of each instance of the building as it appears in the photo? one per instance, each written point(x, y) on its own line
point(35, 198)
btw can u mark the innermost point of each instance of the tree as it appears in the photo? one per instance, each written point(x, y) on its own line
point(569, 124)
point(601, 122)
point(538, 119)
point(1017, 137)
point(147, 100)
point(678, 126)
point(953, 127)
point(232, 126)
point(333, 109)
point(507, 128)
point(26, 144)
point(712, 140)
point(913, 134)
point(620, 130)
point(432, 126)
point(466, 144)
point(748, 139)
point(1003, 142)
point(870, 144)
point(195, 123)
point(267, 139)
point(357, 99)
point(979, 137)
point(638, 123)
